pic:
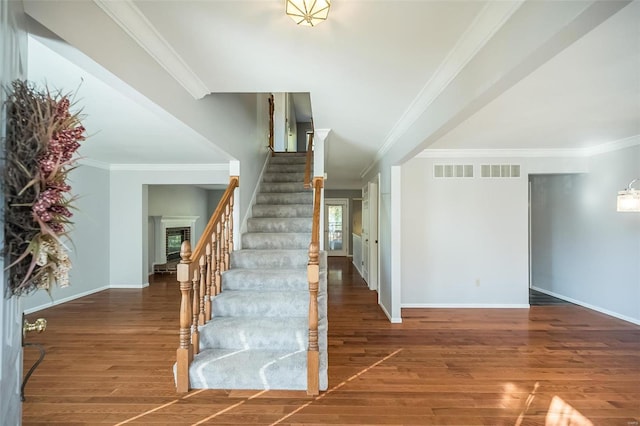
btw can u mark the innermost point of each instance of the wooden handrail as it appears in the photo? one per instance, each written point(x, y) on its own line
point(199, 273)
point(313, 275)
point(307, 166)
point(272, 109)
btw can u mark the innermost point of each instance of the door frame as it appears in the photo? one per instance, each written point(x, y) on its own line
point(346, 226)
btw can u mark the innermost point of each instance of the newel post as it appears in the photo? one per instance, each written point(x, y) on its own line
point(313, 356)
point(185, 350)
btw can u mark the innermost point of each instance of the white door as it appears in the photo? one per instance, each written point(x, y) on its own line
point(365, 236)
point(336, 221)
point(13, 57)
point(373, 236)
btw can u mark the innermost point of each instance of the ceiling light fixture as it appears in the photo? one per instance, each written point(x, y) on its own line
point(629, 199)
point(308, 12)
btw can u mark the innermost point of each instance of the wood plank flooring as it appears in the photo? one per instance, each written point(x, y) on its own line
point(109, 359)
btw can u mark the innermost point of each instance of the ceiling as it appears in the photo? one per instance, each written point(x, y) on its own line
point(379, 73)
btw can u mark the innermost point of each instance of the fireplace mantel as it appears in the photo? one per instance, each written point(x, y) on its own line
point(176, 222)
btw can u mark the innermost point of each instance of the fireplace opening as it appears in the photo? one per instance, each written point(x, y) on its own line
point(175, 237)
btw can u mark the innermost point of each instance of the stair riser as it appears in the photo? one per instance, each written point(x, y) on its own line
point(266, 304)
point(285, 168)
point(259, 280)
point(283, 177)
point(279, 225)
point(285, 198)
point(252, 259)
point(294, 304)
point(283, 210)
point(276, 241)
point(261, 333)
point(289, 159)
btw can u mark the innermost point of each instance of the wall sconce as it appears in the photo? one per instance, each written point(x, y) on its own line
point(629, 199)
point(308, 12)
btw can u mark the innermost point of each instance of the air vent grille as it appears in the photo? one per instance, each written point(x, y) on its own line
point(500, 170)
point(453, 170)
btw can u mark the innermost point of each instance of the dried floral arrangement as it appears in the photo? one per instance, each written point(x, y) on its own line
point(42, 136)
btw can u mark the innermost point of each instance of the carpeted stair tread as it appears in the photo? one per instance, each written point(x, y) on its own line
point(280, 224)
point(289, 159)
point(285, 168)
point(269, 259)
point(255, 333)
point(282, 187)
point(276, 240)
point(252, 369)
point(260, 303)
point(266, 279)
point(283, 210)
point(283, 176)
point(303, 197)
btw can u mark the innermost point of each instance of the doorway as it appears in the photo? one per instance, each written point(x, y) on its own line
point(336, 232)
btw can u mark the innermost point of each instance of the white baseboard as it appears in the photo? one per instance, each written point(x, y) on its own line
point(467, 305)
point(588, 305)
point(65, 299)
point(125, 286)
point(391, 319)
point(357, 268)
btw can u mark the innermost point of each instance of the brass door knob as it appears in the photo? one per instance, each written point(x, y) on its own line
point(39, 325)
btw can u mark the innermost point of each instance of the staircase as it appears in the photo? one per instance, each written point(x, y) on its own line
point(258, 335)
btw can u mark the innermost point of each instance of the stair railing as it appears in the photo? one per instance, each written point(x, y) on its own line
point(200, 276)
point(313, 275)
point(307, 166)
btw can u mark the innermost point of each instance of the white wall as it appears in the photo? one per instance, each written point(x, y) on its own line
point(13, 64)
point(129, 213)
point(180, 200)
point(89, 252)
point(464, 241)
point(582, 249)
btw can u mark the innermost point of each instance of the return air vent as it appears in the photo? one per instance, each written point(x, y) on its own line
point(453, 170)
point(500, 170)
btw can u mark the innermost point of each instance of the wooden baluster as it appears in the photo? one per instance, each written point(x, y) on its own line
point(209, 275)
point(195, 334)
point(230, 227)
point(225, 238)
point(313, 354)
point(184, 354)
point(218, 255)
point(203, 287)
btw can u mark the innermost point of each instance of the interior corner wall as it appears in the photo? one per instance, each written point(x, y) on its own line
point(89, 252)
point(583, 250)
point(128, 212)
point(464, 240)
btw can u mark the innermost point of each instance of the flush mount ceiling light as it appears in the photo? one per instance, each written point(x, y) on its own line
point(308, 12)
point(629, 199)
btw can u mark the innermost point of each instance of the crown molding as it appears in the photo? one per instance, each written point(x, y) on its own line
point(170, 167)
point(613, 146)
point(131, 19)
point(490, 19)
point(94, 163)
point(532, 153)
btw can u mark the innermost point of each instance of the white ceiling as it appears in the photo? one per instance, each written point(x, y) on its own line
point(369, 67)
point(586, 96)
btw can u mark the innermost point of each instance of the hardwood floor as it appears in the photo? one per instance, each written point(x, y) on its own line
point(109, 359)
